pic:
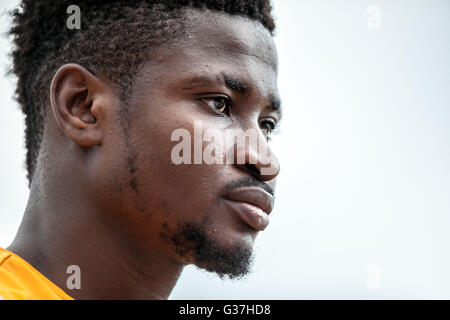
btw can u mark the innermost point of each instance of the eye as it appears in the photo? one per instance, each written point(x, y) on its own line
point(268, 125)
point(218, 104)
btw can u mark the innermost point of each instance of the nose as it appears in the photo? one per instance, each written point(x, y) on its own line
point(255, 157)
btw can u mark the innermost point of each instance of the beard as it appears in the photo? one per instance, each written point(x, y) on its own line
point(193, 243)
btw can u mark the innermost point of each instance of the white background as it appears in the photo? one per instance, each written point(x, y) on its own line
point(363, 199)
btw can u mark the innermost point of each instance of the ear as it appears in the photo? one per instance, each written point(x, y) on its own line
point(77, 98)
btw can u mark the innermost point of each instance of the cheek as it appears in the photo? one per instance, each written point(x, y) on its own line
point(169, 191)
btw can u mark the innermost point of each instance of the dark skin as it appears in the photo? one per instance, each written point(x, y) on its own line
point(107, 197)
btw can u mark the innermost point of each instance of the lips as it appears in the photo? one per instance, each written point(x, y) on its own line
point(253, 205)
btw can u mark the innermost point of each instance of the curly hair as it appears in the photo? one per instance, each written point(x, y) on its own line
point(113, 42)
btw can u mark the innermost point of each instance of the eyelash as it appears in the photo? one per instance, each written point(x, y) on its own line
point(272, 128)
point(273, 123)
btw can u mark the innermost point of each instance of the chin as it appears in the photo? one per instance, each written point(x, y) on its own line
point(227, 254)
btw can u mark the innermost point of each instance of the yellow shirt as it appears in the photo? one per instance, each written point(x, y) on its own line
point(20, 281)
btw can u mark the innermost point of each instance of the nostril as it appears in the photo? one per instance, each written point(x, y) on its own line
point(252, 168)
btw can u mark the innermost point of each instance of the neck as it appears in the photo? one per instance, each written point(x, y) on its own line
point(62, 228)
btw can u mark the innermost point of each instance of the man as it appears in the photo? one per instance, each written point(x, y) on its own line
point(109, 200)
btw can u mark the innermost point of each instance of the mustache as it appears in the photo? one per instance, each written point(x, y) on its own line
point(248, 182)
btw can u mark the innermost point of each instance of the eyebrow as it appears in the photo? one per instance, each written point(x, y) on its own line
point(235, 85)
point(275, 106)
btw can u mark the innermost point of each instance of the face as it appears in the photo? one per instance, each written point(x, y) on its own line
point(221, 76)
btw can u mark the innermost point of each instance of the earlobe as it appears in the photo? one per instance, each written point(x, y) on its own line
point(75, 95)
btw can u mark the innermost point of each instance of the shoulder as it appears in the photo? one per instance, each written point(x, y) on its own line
point(21, 281)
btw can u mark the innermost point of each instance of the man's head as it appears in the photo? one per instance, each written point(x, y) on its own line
point(102, 104)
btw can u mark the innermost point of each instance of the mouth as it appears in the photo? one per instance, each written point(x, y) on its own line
point(252, 205)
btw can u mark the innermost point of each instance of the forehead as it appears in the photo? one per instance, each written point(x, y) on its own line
point(228, 34)
point(216, 43)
